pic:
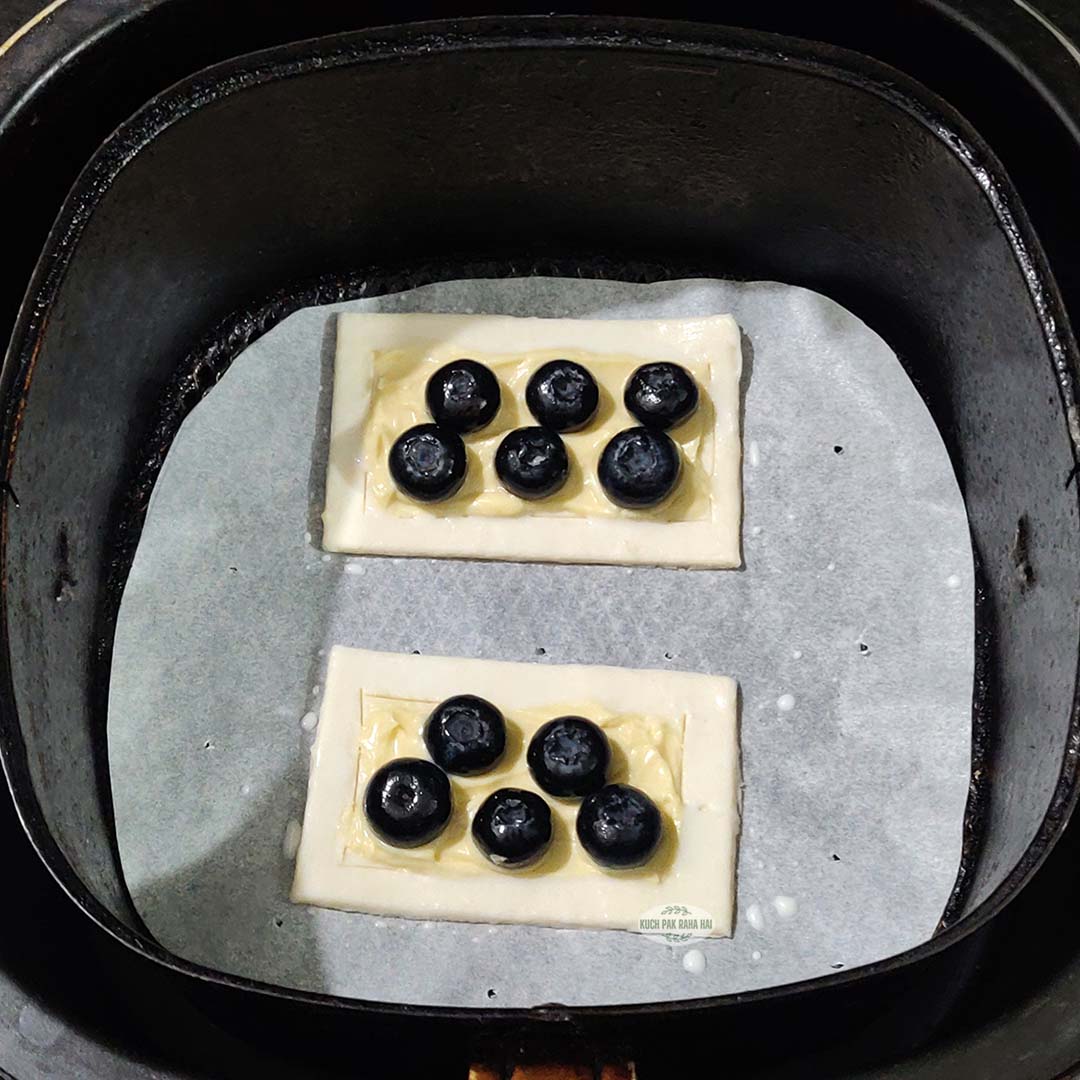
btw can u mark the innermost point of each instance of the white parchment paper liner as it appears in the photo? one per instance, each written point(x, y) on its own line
point(850, 632)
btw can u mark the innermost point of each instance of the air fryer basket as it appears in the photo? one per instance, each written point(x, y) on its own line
point(381, 160)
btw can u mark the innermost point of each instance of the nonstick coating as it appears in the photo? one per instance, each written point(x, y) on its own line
point(379, 161)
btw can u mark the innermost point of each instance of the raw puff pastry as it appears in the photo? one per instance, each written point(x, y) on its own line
point(354, 523)
point(701, 873)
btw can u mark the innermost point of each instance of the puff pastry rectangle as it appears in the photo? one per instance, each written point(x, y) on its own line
point(700, 873)
point(354, 521)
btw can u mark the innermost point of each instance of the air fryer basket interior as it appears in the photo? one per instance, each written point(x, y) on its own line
point(378, 161)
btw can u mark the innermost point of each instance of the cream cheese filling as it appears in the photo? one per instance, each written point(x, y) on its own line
point(400, 377)
point(646, 752)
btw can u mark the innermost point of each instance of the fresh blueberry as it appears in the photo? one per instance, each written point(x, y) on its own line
point(532, 462)
point(512, 827)
point(428, 462)
point(661, 395)
point(639, 468)
point(465, 735)
point(619, 826)
point(569, 757)
point(408, 802)
point(463, 395)
point(562, 395)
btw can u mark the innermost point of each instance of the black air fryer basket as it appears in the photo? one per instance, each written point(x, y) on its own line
point(637, 150)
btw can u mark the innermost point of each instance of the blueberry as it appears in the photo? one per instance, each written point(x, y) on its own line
point(562, 395)
point(619, 826)
point(465, 735)
point(463, 396)
point(639, 468)
point(661, 395)
point(512, 827)
point(428, 462)
point(569, 756)
point(532, 463)
point(408, 802)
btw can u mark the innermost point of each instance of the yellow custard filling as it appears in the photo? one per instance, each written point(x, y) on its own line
point(646, 752)
point(400, 377)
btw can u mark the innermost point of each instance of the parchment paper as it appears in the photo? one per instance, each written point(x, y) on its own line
point(850, 631)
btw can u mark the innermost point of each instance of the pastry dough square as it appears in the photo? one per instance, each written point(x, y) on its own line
point(355, 522)
point(700, 872)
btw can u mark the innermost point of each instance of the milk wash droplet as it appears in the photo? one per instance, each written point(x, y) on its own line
point(752, 454)
point(796, 654)
point(785, 906)
point(953, 581)
point(309, 721)
point(755, 917)
point(354, 568)
point(694, 961)
point(326, 558)
point(37, 1027)
point(290, 845)
point(245, 788)
point(756, 530)
point(785, 702)
point(755, 956)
